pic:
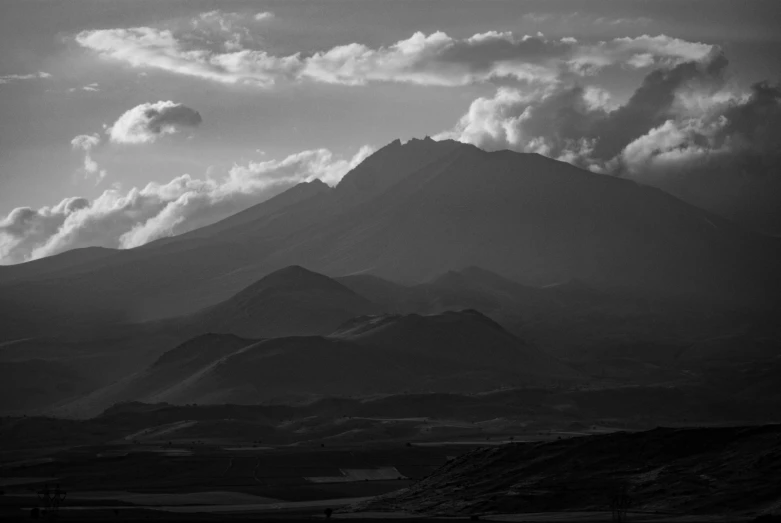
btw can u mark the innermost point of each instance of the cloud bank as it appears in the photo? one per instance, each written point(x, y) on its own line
point(684, 129)
point(230, 55)
point(146, 122)
point(130, 219)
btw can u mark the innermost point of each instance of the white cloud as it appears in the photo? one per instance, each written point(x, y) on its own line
point(638, 52)
point(146, 122)
point(86, 142)
point(435, 59)
point(129, 219)
point(4, 79)
point(264, 15)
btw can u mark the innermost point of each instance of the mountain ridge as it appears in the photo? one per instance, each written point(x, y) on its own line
point(427, 208)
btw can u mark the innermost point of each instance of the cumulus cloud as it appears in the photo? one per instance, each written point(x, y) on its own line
point(86, 142)
point(140, 215)
point(555, 119)
point(435, 59)
point(8, 78)
point(727, 158)
point(24, 229)
point(684, 129)
point(146, 122)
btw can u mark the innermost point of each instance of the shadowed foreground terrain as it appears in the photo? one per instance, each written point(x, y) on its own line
point(674, 471)
point(485, 334)
point(552, 455)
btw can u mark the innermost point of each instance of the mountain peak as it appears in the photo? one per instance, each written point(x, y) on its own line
point(290, 301)
point(391, 164)
point(295, 277)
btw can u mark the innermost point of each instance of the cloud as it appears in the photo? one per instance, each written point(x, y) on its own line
point(92, 88)
point(579, 19)
point(554, 119)
point(142, 124)
point(8, 78)
point(225, 31)
point(140, 215)
point(86, 142)
point(231, 56)
point(727, 158)
point(639, 52)
point(25, 228)
point(146, 122)
point(684, 130)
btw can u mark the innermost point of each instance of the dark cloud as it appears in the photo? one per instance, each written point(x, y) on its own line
point(684, 130)
point(650, 105)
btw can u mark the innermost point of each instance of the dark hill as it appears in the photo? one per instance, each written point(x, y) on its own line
point(290, 301)
point(451, 352)
point(674, 471)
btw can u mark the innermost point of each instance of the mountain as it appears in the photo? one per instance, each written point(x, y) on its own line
point(539, 221)
point(411, 212)
point(450, 352)
point(287, 302)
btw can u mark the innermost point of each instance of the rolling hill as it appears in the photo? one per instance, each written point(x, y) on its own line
point(450, 352)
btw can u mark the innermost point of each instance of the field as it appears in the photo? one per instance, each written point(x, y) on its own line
point(212, 463)
point(144, 475)
point(194, 479)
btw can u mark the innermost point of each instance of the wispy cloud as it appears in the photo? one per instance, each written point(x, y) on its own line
point(8, 78)
point(87, 142)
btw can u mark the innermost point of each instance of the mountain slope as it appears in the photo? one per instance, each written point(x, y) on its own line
point(539, 221)
point(55, 265)
point(171, 368)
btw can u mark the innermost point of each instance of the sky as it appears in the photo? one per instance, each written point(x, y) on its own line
point(124, 121)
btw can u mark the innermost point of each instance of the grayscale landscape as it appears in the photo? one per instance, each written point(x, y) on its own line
point(545, 288)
